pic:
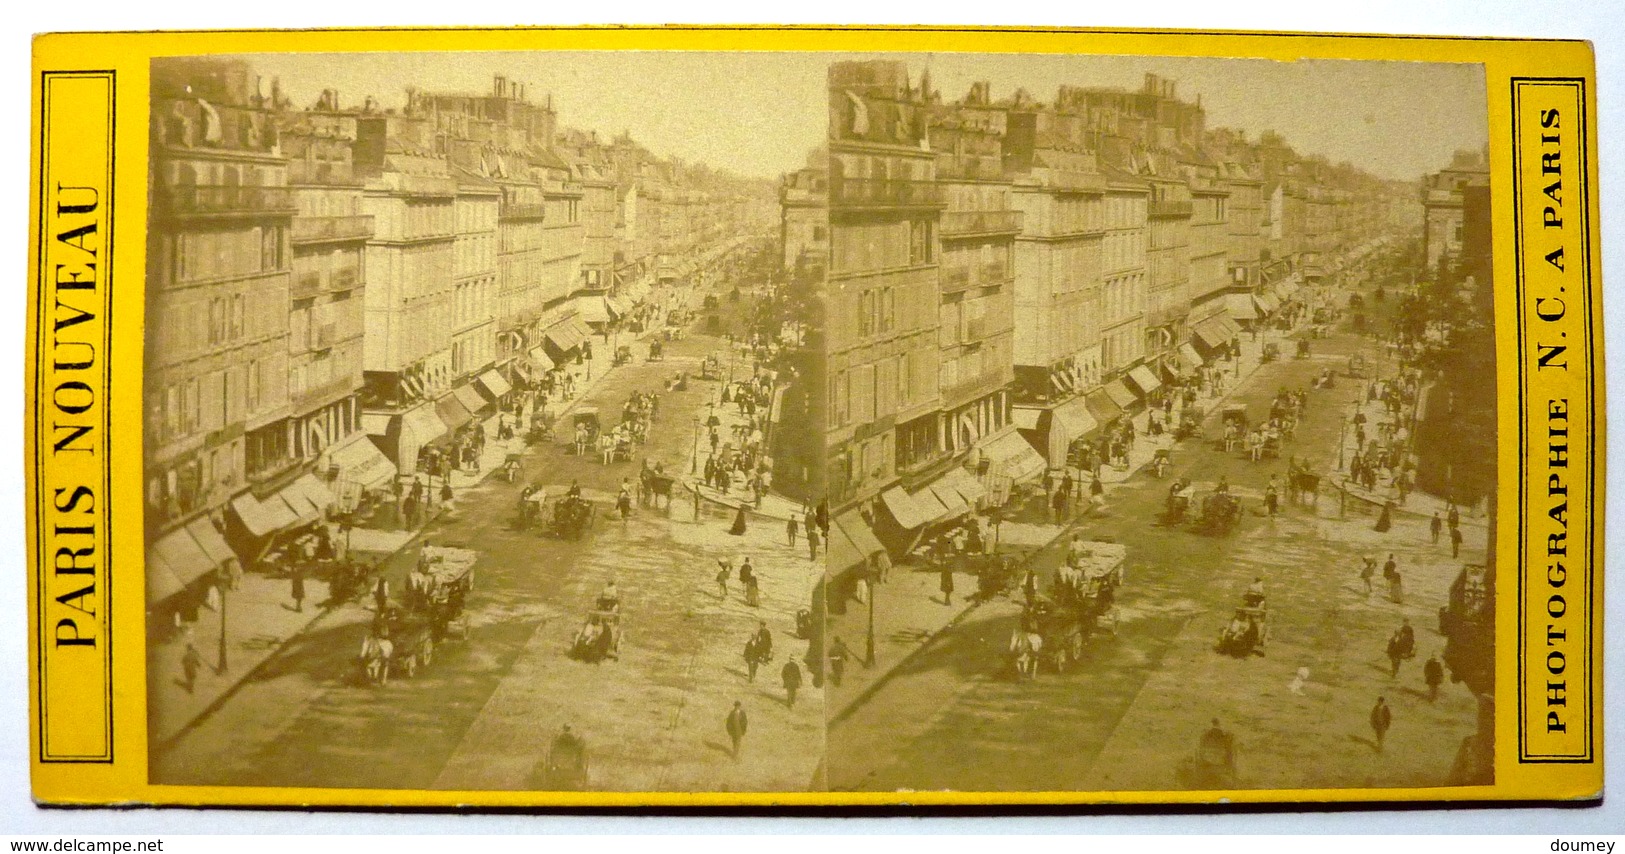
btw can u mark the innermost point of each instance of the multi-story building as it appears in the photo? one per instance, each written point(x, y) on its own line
point(327, 308)
point(881, 326)
point(1443, 215)
point(976, 282)
point(410, 260)
point(804, 224)
point(218, 420)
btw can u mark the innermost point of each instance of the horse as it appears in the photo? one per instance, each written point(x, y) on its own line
point(1024, 649)
point(375, 654)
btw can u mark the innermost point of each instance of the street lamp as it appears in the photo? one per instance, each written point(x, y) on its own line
point(869, 643)
point(694, 463)
point(224, 585)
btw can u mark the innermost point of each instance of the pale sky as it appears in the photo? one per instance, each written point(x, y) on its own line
point(758, 114)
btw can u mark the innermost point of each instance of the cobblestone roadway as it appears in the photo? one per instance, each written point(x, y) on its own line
point(482, 716)
point(1127, 716)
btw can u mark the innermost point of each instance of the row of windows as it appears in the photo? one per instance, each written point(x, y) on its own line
point(199, 321)
point(863, 393)
point(197, 256)
point(217, 399)
point(862, 247)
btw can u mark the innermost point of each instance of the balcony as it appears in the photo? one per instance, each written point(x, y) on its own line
point(884, 193)
point(323, 229)
point(1164, 208)
point(975, 388)
point(228, 199)
point(964, 223)
point(514, 211)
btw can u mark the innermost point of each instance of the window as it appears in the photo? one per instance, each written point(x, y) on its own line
point(866, 313)
point(888, 310)
point(253, 392)
point(921, 247)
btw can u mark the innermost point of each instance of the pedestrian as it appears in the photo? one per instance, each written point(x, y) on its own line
point(738, 722)
point(445, 491)
point(1453, 517)
point(1385, 520)
point(1433, 675)
point(738, 528)
point(1368, 569)
point(380, 594)
point(947, 583)
point(1395, 655)
point(812, 543)
point(791, 674)
point(1272, 500)
point(723, 572)
point(753, 658)
point(191, 663)
point(1097, 492)
point(623, 503)
point(1435, 526)
point(838, 654)
point(410, 506)
point(297, 579)
point(790, 530)
point(1381, 718)
point(1455, 542)
point(1058, 506)
point(696, 489)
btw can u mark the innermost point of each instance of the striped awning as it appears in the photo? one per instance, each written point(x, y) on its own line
point(904, 509)
point(1141, 377)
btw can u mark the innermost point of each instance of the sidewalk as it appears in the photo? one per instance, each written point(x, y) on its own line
point(909, 610)
point(259, 616)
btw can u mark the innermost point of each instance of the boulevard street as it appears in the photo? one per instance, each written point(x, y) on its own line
point(484, 714)
point(1129, 715)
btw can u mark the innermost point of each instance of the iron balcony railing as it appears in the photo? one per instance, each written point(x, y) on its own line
point(884, 193)
point(315, 229)
point(957, 223)
point(208, 199)
point(1167, 208)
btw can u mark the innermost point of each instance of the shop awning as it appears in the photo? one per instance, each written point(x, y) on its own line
point(930, 504)
point(859, 532)
point(842, 554)
point(1191, 359)
point(620, 305)
point(210, 541)
point(539, 358)
point(1026, 418)
point(1241, 306)
point(1118, 391)
point(1141, 377)
point(1102, 407)
point(314, 490)
point(304, 509)
point(1210, 334)
point(566, 335)
point(262, 518)
point(375, 423)
point(469, 398)
point(162, 581)
point(904, 509)
point(955, 504)
point(1015, 456)
point(1171, 369)
point(453, 414)
point(1227, 327)
point(592, 309)
point(966, 485)
point(1073, 419)
point(421, 426)
point(494, 384)
point(1266, 303)
point(361, 463)
point(184, 556)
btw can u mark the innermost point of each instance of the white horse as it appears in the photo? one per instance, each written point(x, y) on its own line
point(1025, 646)
point(375, 655)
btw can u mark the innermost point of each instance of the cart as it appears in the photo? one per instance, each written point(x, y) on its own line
point(599, 636)
point(657, 351)
point(585, 417)
point(1221, 513)
point(623, 355)
point(1359, 366)
point(1272, 351)
point(711, 368)
point(1246, 632)
point(447, 579)
point(571, 517)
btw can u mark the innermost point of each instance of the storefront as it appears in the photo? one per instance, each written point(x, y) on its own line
point(359, 469)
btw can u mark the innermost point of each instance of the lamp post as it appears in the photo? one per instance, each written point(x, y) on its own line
point(694, 462)
point(225, 584)
point(869, 643)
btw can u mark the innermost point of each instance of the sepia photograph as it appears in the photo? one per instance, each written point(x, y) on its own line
point(477, 436)
point(1161, 451)
point(805, 422)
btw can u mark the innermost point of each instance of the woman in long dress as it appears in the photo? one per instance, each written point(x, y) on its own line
point(738, 528)
point(1386, 519)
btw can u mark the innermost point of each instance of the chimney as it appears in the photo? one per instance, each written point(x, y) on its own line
point(499, 86)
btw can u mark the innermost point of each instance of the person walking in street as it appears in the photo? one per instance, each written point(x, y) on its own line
point(1381, 719)
point(1385, 520)
point(1395, 655)
point(1433, 675)
point(736, 725)
point(790, 531)
point(812, 543)
point(297, 581)
point(1435, 526)
point(753, 658)
point(1455, 542)
point(1272, 499)
point(946, 584)
point(1453, 517)
point(791, 674)
point(191, 663)
point(623, 503)
point(738, 528)
point(725, 570)
point(1390, 572)
point(838, 654)
point(1368, 570)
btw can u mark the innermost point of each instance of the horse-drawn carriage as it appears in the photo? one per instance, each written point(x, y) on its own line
point(1272, 351)
point(1054, 628)
point(513, 466)
point(1221, 513)
point(571, 517)
point(623, 355)
point(403, 639)
point(656, 485)
point(711, 368)
point(1213, 764)
point(1161, 461)
point(657, 351)
point(1359, 366)
point(599, 636)
point(1246, 632)
point(1303, 349)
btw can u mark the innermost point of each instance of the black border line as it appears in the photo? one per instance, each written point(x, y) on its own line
point(105, 274)
point(1589, 391)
